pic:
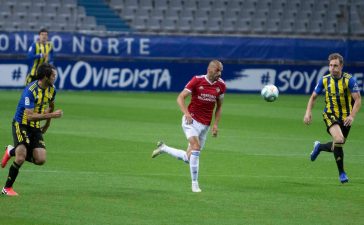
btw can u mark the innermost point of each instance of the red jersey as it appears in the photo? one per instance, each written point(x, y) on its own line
point(203, 97)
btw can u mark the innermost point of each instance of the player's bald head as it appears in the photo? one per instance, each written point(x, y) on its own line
point(216, 63)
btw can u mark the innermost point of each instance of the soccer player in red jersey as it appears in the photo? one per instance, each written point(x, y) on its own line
point(207, 91)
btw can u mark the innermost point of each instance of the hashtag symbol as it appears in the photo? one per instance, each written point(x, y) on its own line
point(17, 74)
point(265, 78)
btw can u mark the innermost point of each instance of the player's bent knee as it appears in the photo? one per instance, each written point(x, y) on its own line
point(340, 140)
point(39, 162)
point(195, 146)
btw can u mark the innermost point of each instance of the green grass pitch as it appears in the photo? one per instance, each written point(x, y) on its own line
point(99, 169)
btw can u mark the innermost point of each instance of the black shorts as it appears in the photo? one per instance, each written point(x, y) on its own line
point(29, 136)
point(330, 119)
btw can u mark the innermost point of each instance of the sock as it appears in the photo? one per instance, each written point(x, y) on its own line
point(326, 147)
point(11, 150)
point(339, 157)
point(13, 173)
point(177, 153)
point(194, 164)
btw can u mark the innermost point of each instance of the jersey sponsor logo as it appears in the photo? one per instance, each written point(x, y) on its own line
point(207, 97)
point(201, 88)
point(218, 90)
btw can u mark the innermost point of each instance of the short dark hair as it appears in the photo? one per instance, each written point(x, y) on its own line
point(336, 56)
point(43, 30)
point(44, 70)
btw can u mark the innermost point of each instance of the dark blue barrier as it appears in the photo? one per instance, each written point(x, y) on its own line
point(168, 76)
point(188, 47)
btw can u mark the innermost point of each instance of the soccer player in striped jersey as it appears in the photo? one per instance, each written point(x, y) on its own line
point(39, 52)
point(207, 93)
point(35, 104)
point(343, 101)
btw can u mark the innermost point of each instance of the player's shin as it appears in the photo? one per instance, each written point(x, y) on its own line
point(339, 156)
point(194, 165)
point(13, 173)
point(177, 153)
point(327, 147)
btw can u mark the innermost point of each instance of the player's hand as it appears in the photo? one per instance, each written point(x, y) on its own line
point(348, 121)
point(307, 118)
point(188, 118)
point(214, 131)
point(57, 114)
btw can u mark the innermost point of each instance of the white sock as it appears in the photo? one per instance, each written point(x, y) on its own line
point(194, 163)
point(177, 153)
point(11, 150)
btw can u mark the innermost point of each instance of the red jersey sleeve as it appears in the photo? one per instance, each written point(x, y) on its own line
point(191, 84)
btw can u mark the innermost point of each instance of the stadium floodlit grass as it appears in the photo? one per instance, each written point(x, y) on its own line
point(99, 168)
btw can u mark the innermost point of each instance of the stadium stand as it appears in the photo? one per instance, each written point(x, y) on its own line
point(331, 18)
point(59, 15)
point(255, 17)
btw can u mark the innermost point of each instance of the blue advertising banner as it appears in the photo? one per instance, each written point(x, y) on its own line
point(187, 47)
point(172, 77)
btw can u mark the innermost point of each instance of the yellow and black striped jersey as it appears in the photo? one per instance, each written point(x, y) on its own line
point(36, 53)
point(338, 91)
point(36, 98)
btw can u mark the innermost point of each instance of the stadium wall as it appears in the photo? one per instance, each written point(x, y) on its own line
point(166, 63)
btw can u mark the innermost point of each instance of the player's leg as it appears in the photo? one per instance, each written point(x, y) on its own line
point(21, 140)
point(39, 152)
point(189, 131)
point(194, 157)
point(195, 147)
point(338, 142)
point(8, 153)
point(327, 147)
point(330, 120)
point(163, 148)
point(39, 156)
point(20, 155)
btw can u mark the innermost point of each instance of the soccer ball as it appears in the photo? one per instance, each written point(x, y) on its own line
point(270, 93)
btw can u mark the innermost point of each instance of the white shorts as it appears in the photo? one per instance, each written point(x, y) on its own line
point(195, 129)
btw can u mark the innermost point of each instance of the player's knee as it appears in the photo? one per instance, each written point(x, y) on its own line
point(20, 154)
point(39, 162)
point(196, 147)
point(339, 140)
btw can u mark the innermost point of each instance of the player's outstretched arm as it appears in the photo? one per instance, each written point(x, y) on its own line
point(307, 119)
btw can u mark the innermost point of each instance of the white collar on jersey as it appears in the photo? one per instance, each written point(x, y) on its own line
point(209, 80)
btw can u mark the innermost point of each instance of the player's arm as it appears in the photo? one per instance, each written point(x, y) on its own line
point(32, 54)
point(357, 104)
point(50, 109)
point(33, 116)
point(307, 119)
point(181, 101)
point(217, 115)
point(51, 55)
point(311, 102)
